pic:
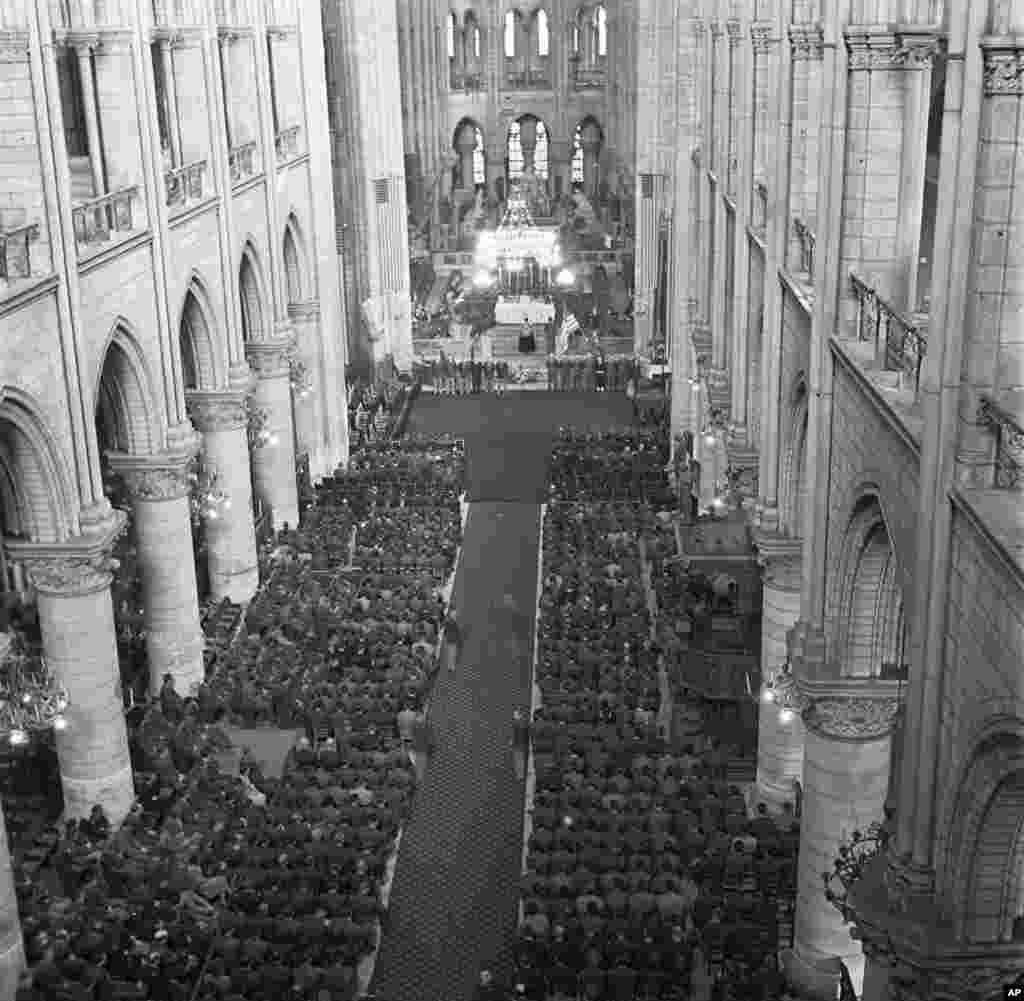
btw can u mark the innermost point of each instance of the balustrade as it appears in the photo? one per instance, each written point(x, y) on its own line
point(584, 77)
point(16, 251)
point(98, 218)
point(805, 246)
point(469, 82)
point(184, 185)
point(528, 80)
point(1008, 461)
point(900, 343)
point(242, 161)
point(287, 143)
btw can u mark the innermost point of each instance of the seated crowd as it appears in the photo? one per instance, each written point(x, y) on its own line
point(225, 882)
point(645, 877)
point(374, 409)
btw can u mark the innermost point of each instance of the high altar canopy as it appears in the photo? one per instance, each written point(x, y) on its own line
point(517, 240)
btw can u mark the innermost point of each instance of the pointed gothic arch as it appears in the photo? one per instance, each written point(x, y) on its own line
point(125, 403)
point(870, 633)
point(296, 266)
point(36, 493)
point(794, 479)
point(251, 292)
point(199, 358)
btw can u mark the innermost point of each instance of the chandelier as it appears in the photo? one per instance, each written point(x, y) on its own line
point(301, 381)
point(208, 497)
point(516, 240)
point(854, 855)
point(30, 698)
point(784, 692)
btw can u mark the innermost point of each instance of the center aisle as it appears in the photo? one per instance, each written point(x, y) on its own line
point(454, 898)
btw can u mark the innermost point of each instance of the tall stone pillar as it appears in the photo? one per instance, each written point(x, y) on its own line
point(721, 265)
point(780, 734)
point(309, 405)
point(12, 949)
point(231, 535)
point(83, 50)
point(76, 617)
point(274, 460)
point(846, 778)
point(159, 487)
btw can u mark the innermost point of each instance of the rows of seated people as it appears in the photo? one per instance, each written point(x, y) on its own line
point(374, 409)
point(645, 877)
point(223, 882)
point(217, 886)
point(623, 464)
point(410, 540)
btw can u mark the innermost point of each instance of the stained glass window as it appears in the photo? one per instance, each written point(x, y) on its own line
point(543, 38)
point(577, 156)
point(540, 152)
point(515, 151)
point(479, 162)
point(451, 36)
point(601, 22)
point(510, 34)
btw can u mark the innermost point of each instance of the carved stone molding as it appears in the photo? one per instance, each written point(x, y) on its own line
point(71, 577)
point(13, 45)
point(697, 29)
point(762, 36)
point(1003, 66)
point(780, 559)
point(270, 359)
point(307, 310)
point(217, 411)
point(732, 27)
point(853, 718)
point(77, 39)
point(806, 42)
point(156, 478)
point(874, 49)
point(716, 30)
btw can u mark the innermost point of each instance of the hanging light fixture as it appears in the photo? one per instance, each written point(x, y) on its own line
point(208, 497)
point(31, 700)
point(301, 381)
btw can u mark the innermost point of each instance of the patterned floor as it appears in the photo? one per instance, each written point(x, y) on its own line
point(454, 897)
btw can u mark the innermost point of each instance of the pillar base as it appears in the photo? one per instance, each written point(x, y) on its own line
point(12, 965)
point(116, 794)
point(238, 587)
point(815, 978)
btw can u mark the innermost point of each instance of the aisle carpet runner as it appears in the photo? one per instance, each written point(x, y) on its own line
point(454, 897)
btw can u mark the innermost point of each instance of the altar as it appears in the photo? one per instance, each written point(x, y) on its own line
point(516, 310)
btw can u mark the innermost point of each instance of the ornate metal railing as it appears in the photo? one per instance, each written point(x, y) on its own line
point(1008, 461)
point(185, 185)
point(16, 251)
point(854, 855)
point(805, 247)
point(287, 143)
point(584, 77)
point(469, 82)
point(900, 343)
point(96, 219)
point(242, 162)
point(759, 208)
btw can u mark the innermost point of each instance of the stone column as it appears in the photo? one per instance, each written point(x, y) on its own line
point(159, 486)
point(846, 778)
point(171, 90)
point(780, 740)
point(310, 418)
point(231, 536)
point(274, 460)
point(76, 617)
point(83, 50)
point(720, 263)
point(12, 949)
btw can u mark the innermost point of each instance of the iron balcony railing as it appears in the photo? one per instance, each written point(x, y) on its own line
point(16, 251)
point(805, 247)
point(535, 79)
point(900, 343)
point(98, 218)
point(468, 82)
point(184, 186)
point(287, 144)
point(242, 162)
point(1008, 460)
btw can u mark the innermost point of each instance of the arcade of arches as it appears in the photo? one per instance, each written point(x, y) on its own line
point(793, 228)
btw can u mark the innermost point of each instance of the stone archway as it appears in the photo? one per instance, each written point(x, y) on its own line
point(870, 631)
point(255, 326)
point(196, 341)
point(794, 480)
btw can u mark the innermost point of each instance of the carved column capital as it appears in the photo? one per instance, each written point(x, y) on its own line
point(852, 717)
point(875, 48)
point(218, 411)
point(158, 477)
point(732, 28)
point(80, 41)
point(270, 359)
point(13, 45)
point(806, 42)
point(77, 567)
point(762, 36)
point(780, 559)
point(1003, 66)
point(698, 29)
point(716, 30)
